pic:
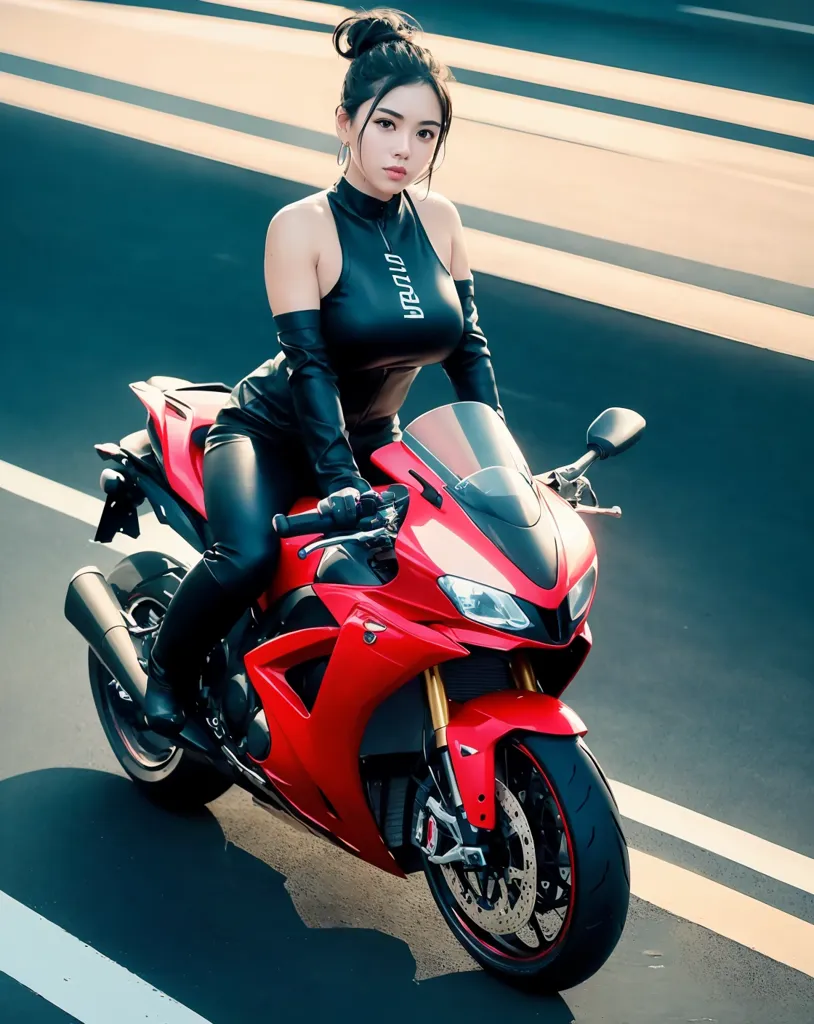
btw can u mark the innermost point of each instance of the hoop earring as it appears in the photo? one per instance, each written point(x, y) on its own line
point(342, 155)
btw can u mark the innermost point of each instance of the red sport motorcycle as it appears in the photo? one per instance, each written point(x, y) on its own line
point(396, 690)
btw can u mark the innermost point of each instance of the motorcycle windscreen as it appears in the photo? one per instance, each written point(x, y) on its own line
point(472, 450)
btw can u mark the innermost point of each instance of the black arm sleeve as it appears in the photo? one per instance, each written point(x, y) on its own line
point(316, 401)
point(469, 367)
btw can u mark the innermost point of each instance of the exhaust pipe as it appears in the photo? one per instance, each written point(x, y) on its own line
point(91, 608)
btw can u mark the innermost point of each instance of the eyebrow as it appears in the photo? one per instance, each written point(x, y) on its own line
point(395, 113)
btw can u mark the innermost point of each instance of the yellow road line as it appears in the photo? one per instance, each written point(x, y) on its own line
point(700, 309)
point(769, 113)
point(711, 201)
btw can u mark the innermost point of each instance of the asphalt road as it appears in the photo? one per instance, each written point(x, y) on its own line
point(120, 260)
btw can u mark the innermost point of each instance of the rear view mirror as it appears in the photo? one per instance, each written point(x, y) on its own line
point(614, 431)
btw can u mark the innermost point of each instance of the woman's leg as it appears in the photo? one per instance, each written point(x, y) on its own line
point(247, 481)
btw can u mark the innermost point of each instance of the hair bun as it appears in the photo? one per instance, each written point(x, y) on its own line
point(366, 29)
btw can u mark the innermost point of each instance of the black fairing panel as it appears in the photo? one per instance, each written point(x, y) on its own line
point(548, 625)
point(346, 564)
point(396, 724)
point(299, 609)
point(533, 549)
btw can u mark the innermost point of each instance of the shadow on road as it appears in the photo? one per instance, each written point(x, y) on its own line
point(169, 899)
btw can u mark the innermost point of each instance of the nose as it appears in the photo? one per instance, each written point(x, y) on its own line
point(401, 150)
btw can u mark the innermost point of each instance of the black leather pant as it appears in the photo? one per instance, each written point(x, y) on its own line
point(247, 480)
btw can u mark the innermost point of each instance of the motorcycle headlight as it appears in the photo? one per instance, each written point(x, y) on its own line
point(580, 594)
point(484, 604)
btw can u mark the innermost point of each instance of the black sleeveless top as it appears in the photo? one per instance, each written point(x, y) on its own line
point(394, 309)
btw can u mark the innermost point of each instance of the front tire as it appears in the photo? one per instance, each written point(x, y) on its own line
point(551, 793)
point(168, 775)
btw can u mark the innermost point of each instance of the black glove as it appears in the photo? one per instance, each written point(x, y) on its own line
point(371, 501)
point(342, 506)
point(347, 506)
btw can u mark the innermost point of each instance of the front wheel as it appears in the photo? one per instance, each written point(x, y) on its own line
point(549, 908)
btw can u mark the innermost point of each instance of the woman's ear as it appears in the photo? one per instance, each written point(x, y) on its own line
point(342, 123)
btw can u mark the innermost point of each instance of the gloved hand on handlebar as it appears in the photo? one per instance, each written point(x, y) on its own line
point(342, 506)
point(347, 506)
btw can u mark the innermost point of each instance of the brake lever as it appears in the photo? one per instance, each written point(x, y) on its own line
point(364, 536)
point(595, 510)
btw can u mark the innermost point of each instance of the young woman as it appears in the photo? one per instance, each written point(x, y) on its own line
point(366, 284)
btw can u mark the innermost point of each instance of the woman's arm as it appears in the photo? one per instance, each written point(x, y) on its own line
point(469, 367)
point(290, 266)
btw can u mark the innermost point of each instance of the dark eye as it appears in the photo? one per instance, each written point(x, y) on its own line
point(430, 133)
point(384, 120)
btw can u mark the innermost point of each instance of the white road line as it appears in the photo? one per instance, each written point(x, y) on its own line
point(73, 976)
point(87, 509)
point(680, 822)
point(633, 291)
point(747, 19)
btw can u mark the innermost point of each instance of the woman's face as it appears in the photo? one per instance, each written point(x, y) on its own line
point(402, 133)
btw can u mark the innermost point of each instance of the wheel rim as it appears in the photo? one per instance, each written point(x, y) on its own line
point(147, 748)
point(521, 925)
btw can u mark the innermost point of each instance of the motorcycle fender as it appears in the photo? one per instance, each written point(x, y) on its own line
point(475, 730)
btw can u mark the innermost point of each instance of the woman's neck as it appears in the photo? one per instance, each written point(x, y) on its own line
point(354, 177)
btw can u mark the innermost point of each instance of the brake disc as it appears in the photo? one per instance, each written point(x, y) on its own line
point(501, 909)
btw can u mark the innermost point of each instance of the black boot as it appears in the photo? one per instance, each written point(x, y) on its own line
point(200, 614)
point(163, 710)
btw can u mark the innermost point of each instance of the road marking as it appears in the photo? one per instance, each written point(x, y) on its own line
point(686, 305)
point(632, 137)
point(238, 75)
point(747, 19)
point(728, 913)
point(753, 110)
point(87, 509)
point(675, 302)
point(75, 977)
point(709, 834)
point(768, 113)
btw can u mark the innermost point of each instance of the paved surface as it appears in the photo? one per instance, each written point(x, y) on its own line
point(121, 260)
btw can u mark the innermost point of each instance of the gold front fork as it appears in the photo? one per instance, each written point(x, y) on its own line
point(439, 707)
point(523, 673)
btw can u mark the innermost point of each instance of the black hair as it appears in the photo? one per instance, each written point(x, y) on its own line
point(383, 55)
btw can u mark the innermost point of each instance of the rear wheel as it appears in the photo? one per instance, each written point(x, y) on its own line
point(550, 907)
point(168, 775)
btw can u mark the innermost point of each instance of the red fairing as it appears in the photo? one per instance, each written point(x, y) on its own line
point(480, 724)
point(318, 753)
point(445, 541)
point(177, 417)
point(314, 757)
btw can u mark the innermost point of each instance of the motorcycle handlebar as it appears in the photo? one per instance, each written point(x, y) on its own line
point(314, 522)
point(306, 522)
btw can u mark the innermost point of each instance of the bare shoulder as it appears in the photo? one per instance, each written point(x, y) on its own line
point(433, 204)
point(299, 223)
